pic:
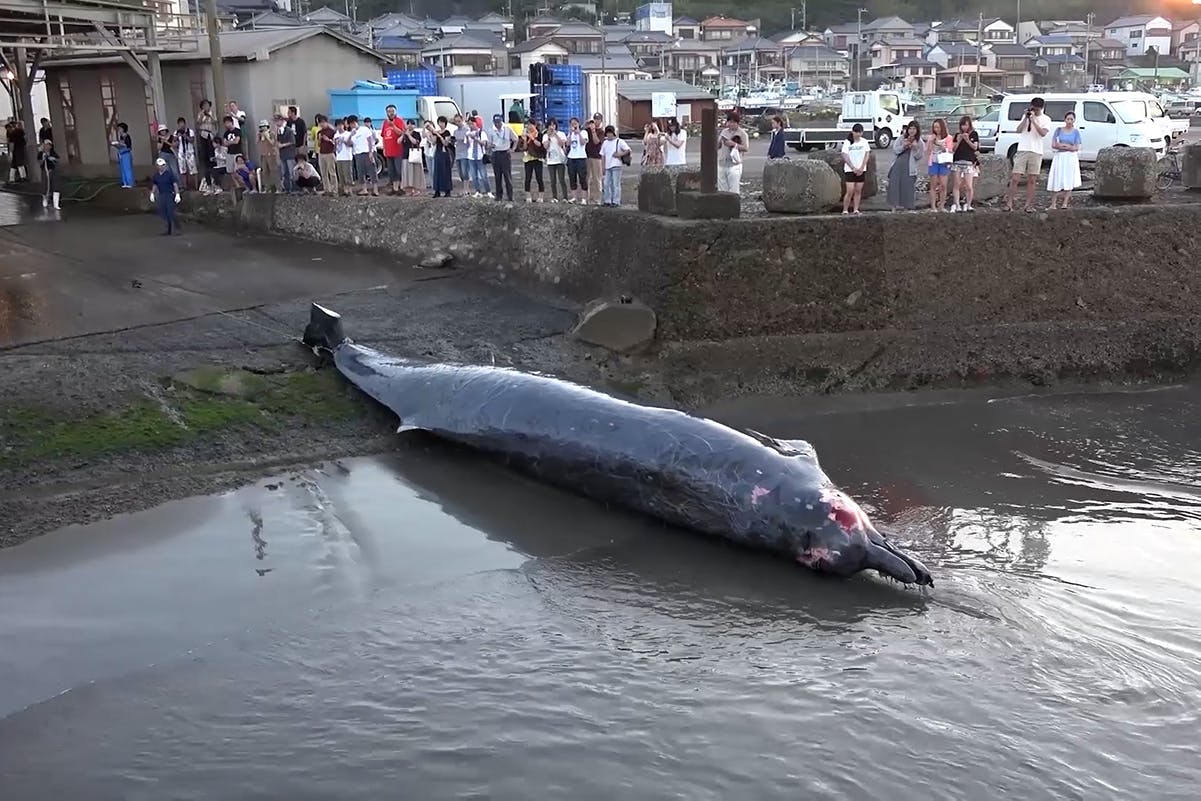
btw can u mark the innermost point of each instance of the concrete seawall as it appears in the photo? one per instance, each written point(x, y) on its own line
point(819, 303)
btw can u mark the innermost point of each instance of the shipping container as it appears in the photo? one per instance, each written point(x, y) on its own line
point(566, 75)
point(602, 96)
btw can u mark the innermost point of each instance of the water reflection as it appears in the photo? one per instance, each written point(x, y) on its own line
point(625, 558)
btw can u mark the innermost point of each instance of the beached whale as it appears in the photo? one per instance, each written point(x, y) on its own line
point(692, 472)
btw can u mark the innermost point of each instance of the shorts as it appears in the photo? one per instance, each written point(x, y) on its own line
point(937, 169)
point(1027, 163)
point(852, 178)
point(187, 164)
point(963, 168)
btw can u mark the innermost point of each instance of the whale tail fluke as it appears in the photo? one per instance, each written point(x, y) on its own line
point(324, 331)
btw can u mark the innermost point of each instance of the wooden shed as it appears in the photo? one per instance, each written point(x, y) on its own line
point(634, 102)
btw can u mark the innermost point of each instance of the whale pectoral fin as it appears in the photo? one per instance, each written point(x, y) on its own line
point(402, 428)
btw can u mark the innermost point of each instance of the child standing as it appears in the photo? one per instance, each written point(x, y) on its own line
point(615, 154)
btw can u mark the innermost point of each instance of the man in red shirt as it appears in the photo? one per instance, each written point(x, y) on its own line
point(393, 128)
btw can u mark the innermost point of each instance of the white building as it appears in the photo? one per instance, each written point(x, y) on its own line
point(1142, 33)
point(654, 17)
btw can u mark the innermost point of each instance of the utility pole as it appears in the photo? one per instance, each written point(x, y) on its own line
point(219, 98)
point(979, 51)
point(1088, 41)
point(803, 21)
point(859, 45)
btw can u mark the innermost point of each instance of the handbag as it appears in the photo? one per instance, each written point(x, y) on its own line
point(414, 156)
point(944, 158)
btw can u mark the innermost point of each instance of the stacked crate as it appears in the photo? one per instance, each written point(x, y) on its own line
point(563, 98)
point(424, 81)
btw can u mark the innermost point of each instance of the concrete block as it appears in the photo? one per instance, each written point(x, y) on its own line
point(1190, 166)
point(656, 194)
point(1125, 173)
point(994, 176)
point(871, 184)
point(708, 205)
point(799, 186)
point(622, 325)
point(256, 212)
point(688, 181)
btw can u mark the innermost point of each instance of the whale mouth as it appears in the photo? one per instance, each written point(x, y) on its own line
point(888, 560)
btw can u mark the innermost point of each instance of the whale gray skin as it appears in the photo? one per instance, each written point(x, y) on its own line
point(692, 472)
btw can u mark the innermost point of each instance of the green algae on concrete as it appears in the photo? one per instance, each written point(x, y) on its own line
point(202, 403)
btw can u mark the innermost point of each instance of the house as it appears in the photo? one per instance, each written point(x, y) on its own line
point(953, 30)
point(915, 74)
point(634, 102)
point(887, 28)
point(1190, 54)
point(726, 29)
point(330, 17)
point(889, 51)
point(544, 50)
point(469, 53)
point(615, 61)
point(268, 20)
point(841, 36)
point(576, 37)
point(542, 25)
point(754, 59)
point(264, 70)
point(1141, 33)
point(1015, 63)
point(998, 31)
point(815, 64)
point(1106, 60)
point(1051, 45)
point(1184, 31)
point(1077, 32)
point(1029, 30)
point(693, 60)
point(950, 55)
point(686, 28)
point(963, 79)
point(790, 38)
point(1059, 72)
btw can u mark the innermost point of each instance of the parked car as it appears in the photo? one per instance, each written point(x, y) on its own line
point(986, 128)
point(1105, 119)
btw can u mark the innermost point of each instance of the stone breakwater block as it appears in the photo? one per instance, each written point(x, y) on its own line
point(1190, 166)
point(688, 181)
point(621, 325)
point(656, 194)
point(871, 184)
point(799, 186)
point(994, 176)
point(1125, 173)
point(708, 205)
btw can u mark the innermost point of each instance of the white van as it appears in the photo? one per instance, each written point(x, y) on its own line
point(883, 114)
point(1105, 119)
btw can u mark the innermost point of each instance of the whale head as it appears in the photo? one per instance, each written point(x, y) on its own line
point(830, 533)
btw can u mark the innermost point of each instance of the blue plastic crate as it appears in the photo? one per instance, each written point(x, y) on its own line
point(424, 81)
point(568, 93)
point(566, 75)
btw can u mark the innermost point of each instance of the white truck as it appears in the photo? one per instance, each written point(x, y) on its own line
point(882, 113)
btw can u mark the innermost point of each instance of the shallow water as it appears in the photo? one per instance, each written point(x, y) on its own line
point(433, 626)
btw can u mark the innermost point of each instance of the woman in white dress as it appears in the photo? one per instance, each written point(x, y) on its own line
point(1065, 164)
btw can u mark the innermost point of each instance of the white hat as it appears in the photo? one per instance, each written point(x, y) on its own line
point(162, 127)
point(161, 162)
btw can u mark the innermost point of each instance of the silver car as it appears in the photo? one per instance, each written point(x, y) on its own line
point(986, 128)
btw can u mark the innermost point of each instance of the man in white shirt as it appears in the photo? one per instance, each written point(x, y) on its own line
point(362, 140)
point(1028, 161)
point(613, 154)
point(501, 144)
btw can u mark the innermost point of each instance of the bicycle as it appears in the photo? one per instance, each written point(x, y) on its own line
point(1169, 170)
